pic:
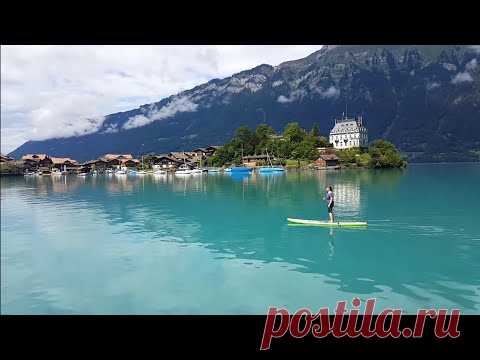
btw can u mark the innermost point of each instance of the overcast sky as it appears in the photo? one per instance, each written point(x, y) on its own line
point(55, 91)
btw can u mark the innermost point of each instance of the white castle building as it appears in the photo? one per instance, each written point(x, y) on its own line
point(348, 133)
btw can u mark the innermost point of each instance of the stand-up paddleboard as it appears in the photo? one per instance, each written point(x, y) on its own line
point(327, 223)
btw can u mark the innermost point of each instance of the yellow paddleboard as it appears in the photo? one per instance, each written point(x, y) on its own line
point(327, 223)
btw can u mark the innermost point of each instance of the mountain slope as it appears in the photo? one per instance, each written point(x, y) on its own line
point(425, 99)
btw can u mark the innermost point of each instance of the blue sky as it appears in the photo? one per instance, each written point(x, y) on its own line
point(58, 91)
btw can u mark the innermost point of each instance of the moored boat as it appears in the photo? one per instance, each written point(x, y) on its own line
point(241, 169)
point(270, 169)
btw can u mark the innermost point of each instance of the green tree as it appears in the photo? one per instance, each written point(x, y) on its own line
point(323, 142)
point(385, 154)
point(315, 131)
point(245, 139)
point(293, 132)
point(263, 133)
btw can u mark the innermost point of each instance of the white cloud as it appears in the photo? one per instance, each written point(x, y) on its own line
point(472, 64)
point(433, 85)
point(182, 104)
point(462, 77)
point(283, 99)
point(52, 91)
point(294, 96)
point(331, 92)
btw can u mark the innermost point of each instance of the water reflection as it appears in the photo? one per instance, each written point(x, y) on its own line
point(244, 219)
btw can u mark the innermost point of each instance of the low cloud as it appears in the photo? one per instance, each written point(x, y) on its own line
point(461, 78)
point(331, 92)
point(294, 96)
point(178, 105)
point(283, 99)
point(58, 91)
point(433, 85)
point(472, 64)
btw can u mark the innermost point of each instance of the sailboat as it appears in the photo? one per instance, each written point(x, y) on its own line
point(183, 169)
point(198, 170)
point(240, 169)
point(271, 168)
point(142, 172)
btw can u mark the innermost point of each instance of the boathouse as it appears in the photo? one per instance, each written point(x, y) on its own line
point(254, 160)
point(327, 161)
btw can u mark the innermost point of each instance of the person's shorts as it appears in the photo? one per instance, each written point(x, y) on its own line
point(330, 208)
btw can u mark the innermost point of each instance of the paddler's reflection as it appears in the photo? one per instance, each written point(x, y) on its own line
point(331, 244)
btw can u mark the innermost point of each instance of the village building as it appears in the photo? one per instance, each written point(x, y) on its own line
point(348, 133)
point(118, 160)
point(99, 164)
point(5, 158)
point(64, 163)
point(37, 161)
point(165, 161)
point(206, 151)
point(109, 157)
point(255, 160)
point(327, 161)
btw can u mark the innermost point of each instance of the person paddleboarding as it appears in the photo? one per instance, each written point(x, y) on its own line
point(330, 202)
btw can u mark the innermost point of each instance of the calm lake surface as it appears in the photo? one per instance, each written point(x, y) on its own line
point(217, 244)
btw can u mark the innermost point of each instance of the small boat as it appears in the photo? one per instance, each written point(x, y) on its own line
point(328, 223)
point(159, 172)
point(82, 174)
point(196, 171)
point(142, 171)
point(228, 170)
point(183, 172)
point(213, 170)
point(121, 171)
point(56, 172)
point(45, 173)
point(108, 172)
point(33, 173)
point(270, 169)
point(94, 172)
point(241, 169)
point(183, 169)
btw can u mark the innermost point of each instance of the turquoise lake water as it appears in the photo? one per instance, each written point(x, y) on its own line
point(217, 244)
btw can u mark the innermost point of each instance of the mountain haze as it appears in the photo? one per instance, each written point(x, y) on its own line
point(425, 99)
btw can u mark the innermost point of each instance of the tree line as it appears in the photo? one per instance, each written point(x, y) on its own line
point(294, 143)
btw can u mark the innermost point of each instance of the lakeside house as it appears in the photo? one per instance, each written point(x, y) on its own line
point(34, 162)
point(255, 160)
point(116, 160)
point(64, 163)
point(327, 161)
point(5, 158)
point(165, 161)
point(207, 151)
point(348, 133)
point(172, 160)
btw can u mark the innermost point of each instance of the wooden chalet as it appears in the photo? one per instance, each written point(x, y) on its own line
point(327, 161)
point(255, 160)
point(5, 158)
point(64, 163)
point(166, 161)
point(36, 161)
